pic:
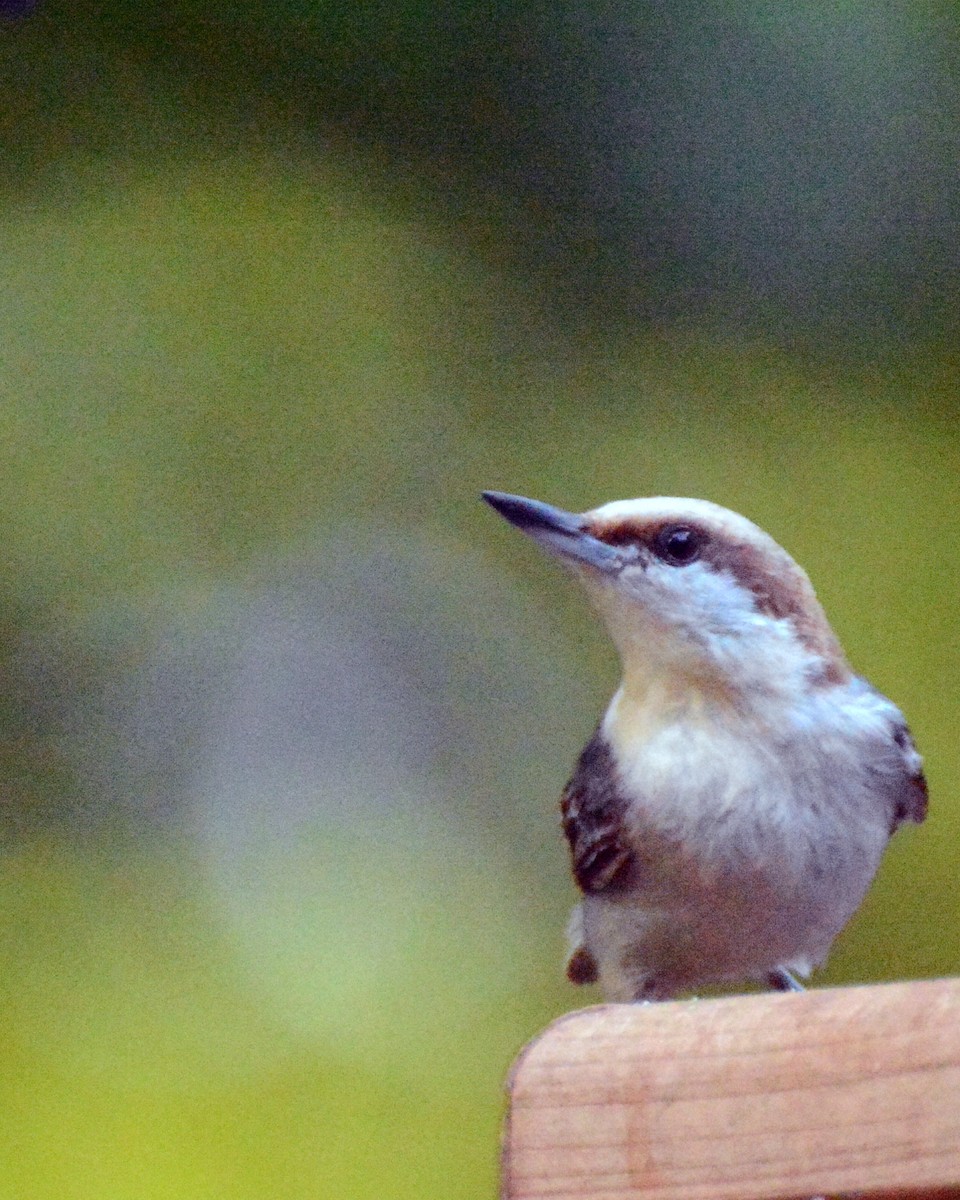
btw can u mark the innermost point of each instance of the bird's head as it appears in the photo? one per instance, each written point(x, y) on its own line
point(690, 591)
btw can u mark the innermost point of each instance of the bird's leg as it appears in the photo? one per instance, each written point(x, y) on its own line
point(782, 981)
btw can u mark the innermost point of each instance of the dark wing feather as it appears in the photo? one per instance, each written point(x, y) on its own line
point(912, 804)
point(593, 807)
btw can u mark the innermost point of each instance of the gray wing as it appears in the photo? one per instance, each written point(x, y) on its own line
point(913, 800)
point(593, 807)
point(896, 764)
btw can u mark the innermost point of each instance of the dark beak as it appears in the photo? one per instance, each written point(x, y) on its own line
point(561, 533)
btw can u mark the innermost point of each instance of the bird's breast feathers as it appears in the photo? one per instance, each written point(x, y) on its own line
point(709, 776)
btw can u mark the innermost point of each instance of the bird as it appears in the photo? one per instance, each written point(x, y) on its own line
point(731, 809)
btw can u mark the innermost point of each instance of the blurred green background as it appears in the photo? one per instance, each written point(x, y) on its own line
point(286, 711)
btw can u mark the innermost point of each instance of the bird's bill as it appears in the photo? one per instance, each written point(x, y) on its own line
point(564, 534)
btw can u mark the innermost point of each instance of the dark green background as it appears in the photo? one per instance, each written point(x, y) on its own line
point(285, 709)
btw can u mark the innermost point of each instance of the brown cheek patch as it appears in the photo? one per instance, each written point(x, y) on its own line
point(783, 591)
point(781, 587)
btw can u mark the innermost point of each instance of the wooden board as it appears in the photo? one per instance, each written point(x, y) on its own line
point(831, 1091)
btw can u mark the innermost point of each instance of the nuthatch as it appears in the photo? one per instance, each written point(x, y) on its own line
point(730, 811)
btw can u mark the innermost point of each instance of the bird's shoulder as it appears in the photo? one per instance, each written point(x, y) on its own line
point(593, 806)
point(914, 799)
point(896, 757)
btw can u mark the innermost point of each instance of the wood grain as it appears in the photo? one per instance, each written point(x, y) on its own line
point(831, 1091)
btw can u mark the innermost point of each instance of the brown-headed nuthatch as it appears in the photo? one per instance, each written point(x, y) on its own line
point(726, 818)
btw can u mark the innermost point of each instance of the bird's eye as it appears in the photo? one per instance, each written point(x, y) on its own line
point(678, 545)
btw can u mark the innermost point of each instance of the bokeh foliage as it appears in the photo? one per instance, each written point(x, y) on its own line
point(285, 710)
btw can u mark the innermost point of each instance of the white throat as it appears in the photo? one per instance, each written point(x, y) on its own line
point(682, 650)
